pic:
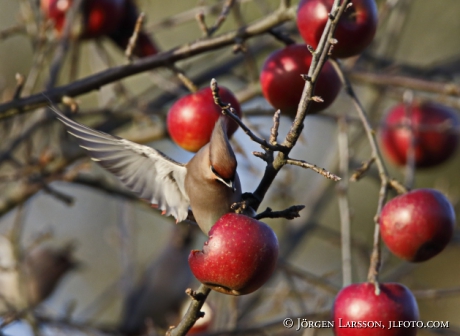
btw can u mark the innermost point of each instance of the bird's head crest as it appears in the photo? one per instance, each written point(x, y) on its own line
point(221, 154)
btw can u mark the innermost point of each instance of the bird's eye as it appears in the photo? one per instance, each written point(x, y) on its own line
point(216, 173)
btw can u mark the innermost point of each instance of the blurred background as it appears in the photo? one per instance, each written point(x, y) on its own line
point(115, 266)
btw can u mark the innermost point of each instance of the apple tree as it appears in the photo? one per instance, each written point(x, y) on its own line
point(342, 117)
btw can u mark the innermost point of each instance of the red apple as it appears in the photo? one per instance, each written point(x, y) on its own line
point(125, 29)
point(417, 225)
point(359, 311)
point(239, 256)
point(99, 16)
point(191, 119)
point(282, 84)
point(432, 146)
point(355, 29)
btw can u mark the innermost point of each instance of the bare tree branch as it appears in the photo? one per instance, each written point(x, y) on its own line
point(163, 59)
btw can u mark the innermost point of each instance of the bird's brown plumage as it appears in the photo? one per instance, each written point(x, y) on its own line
point(215, 160)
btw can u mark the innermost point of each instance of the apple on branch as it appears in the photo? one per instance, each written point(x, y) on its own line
point(432, 127)
point(355, 30)
point(99, 17)
point(417, 225)
point(191, 119)
point(239, 256)
point(282, 83)
point(358, 307)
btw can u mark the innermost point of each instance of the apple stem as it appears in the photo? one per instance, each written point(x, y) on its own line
point(188, 83)
point(377, 288)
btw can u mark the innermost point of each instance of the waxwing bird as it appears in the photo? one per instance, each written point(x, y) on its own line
point(44, 268)
point(216, 164)
point(35, 277)
point(208, 183)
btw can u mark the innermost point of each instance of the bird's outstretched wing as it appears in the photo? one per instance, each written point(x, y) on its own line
point(145, 171)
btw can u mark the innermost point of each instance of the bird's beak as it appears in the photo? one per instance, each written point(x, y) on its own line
point(228, 183)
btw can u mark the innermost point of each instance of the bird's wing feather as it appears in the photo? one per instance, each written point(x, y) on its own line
point(145, 171)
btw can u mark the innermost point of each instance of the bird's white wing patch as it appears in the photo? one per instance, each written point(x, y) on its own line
point(147, 172)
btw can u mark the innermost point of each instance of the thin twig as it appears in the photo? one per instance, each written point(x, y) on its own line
point(274, 130)
point(361, 171)
point(20, 80)
point(289, 213)
point(315, 168)
point(119, 88)
point(312, 278)
point(281, 36)
point(227, 109)
point(193, 313)
point(66, 199)
point(222, 17)
point(200, 18)
point(344, 206)
point(186, 16)
point(370, 132)
point(436, 293)
point(11, 31)
point(409, 170)
point(405, 82)
point(37, 67)
point(250, 61)
point(74, 60)
point(63, 46)
point(386, 181)
point(219, 21)
point(397, 186)
point(26, 189)
point(188, 83)
point(133, 39)
point(375, 262)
